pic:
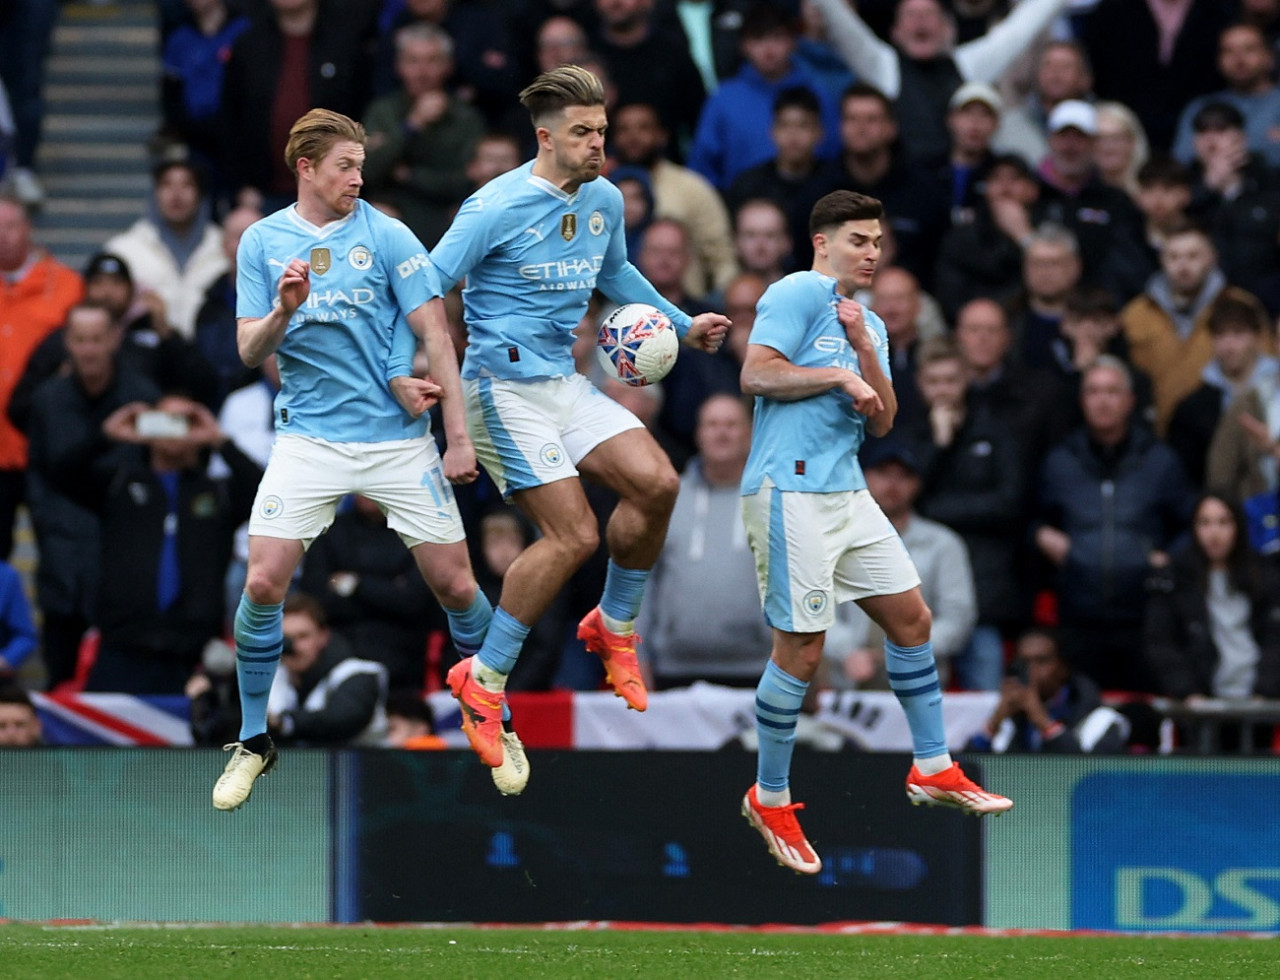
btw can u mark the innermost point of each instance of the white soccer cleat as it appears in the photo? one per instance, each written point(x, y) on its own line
point(953, 788)
point(245, 765)
point(513, 775)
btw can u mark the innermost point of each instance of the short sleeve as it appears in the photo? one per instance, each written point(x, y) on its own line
point(783, 317)
point(255, 283)
point(475, 230)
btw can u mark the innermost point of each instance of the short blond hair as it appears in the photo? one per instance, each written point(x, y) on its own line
point(559, 88)
point(315, 133)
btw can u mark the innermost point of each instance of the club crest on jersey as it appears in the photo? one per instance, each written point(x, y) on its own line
point(321, 261)
point(568, 226)
point(360, 258)
point(595, 224)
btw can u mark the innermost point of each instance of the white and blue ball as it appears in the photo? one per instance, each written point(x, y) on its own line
point(637, 344)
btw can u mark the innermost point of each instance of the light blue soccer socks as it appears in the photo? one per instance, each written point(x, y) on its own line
point(468, 626)
point(623, 593)
point(259, 635)
point(778, 699)
point(913, 676)
point(500, 649)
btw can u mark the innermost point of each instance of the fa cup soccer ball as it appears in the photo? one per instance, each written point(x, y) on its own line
point(637, 344)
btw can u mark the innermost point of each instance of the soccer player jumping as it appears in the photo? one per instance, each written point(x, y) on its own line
point(325, 283)
point(818, 366)
point(532, 245)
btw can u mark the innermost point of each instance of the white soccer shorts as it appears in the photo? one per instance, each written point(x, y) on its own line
point(814, 550)
point(306, 478)
point(530, 433)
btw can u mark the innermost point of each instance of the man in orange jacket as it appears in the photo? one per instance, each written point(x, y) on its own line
point(35, 293)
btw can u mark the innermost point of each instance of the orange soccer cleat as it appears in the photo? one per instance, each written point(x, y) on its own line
point(781, 832)
point(481, 713)
point(953, 788)
point(619, 656)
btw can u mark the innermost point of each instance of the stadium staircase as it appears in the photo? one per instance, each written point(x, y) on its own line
point(102, 103)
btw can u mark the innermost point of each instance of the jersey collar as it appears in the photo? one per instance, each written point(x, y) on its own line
point(317, 230)
point(544, 185)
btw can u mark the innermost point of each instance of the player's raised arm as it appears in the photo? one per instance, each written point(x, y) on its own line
point(258, 337)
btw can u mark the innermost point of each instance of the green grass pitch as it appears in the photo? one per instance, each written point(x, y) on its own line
point(35, 952)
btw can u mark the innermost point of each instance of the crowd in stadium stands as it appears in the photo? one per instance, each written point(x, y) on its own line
point(1080, 280)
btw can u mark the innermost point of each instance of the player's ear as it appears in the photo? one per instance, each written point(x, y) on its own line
point(819, 243)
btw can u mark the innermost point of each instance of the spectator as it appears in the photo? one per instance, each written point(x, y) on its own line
point(637, 206)
point(854, 648)
point(175, 251)
point(1167, 326)
point(494, 155)
point(323, 692)
point(920, 70)
point(1237, 197)
point(761, 242)
point(193, 59)
point(1163, 195)
point(299, 55)
point(639, 139)
point(633, 45)
point(420, 136)
point(1155, 56)
point(371, 591)
point(1051, 270)
point(145, 342)
point(18, 635)
point(1073, 193)
point(19, 723)
point(560, 41)
point(1062, 72)
point(67, 412)
point(1031, 402)
point(36, 291)
point(411, 724)
point(702, 620)
point(898, 301)
point(215, 331)
point(982, 257)
point(664, 258)
point(973, 473)
point(1091, 327)
point(793, 178)
point(487, 70)
point(166, 535)
point(1121, 148)
point(973, 113)
point(1212, 628)
point(1113, 500)
point(740, 299)
point(1248, 66)
point(1241, 374)
point(1244, 454)
point(915, 208)
point(1047, 707)
point(728, 139)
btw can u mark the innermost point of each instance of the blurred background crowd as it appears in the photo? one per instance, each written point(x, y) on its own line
point(1080, 281)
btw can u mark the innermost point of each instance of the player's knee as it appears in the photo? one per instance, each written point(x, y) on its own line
point(263, 589)
point(582, 544)
point(661, 491)
point(916, 628)
point(457, 591)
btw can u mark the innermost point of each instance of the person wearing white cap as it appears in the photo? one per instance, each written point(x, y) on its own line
point(1062, 72)
point(921, 69)
point(1073, 191)
point(973, 114)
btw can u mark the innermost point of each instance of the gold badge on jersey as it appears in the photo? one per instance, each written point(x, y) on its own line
point(320, 261)
point(568, 226)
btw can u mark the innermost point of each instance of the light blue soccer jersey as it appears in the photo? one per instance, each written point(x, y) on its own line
point(531, 255)
point(367, 272)
point(811, 444)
